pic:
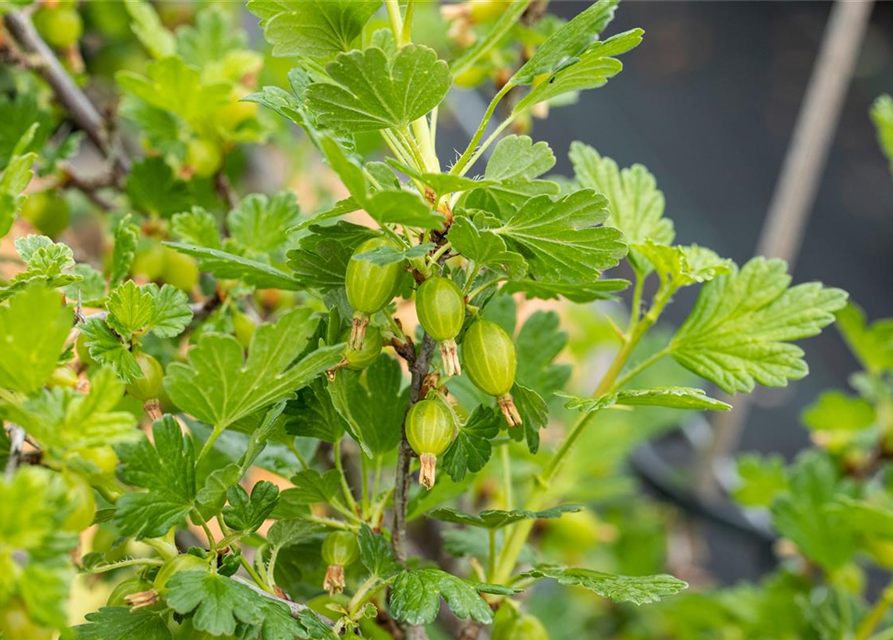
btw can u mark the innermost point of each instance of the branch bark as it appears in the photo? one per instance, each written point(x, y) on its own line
point(419, 369)
point(83, 112)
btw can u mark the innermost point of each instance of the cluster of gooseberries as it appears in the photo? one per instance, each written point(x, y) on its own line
point(488, 353)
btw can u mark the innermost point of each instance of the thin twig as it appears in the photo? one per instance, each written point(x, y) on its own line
point(419, 370)
point(225, 190)
point(83, 112)
point(16, 440)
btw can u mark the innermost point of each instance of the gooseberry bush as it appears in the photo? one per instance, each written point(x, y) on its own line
point(232, 416)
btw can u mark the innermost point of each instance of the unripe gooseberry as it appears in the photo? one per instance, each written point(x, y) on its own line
point(204, 157)
point(147, 385)
point(429, 429)
point(339, 549)
point(359, 359)
point(440, 306)
point(61, 27)
point(118, 596)
point(523, 627)
point(370, 287)
point(243, 328)
point(178, 564)
point(81, 502)
point(488, 355)
point(63, 376)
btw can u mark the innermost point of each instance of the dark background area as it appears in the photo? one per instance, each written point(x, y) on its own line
point(708, 103)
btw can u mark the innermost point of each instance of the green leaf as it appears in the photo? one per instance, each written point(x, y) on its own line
point(566, 45)
point(172, 311)
point(871, 344)
point(760, 480)
point(289, 532)
point(212, 496)
point(519, 158)
point(290, 104)
point(260, 224)
point(197, 227)
point(806, 515)
point(636, 589)
point(593, 70)
point(314, 28)
point(133, 309)
point(313, 487)
point(560, 239)
point(882, 116)
point(229, 266)
point(219, 386)
point(470, 236)
point(635, 203)
point(374, 411)
point(415, 598)
point(312, 414)
point(64, 419)
point(15, 178)
point(36, 561)
point(47, 263)
point(217, 603)
point(130, 309)
point(682, 266)
point(441, 183)
point(35, 327)
point(90, 288)
point(213, 37)
point(402, 207)
point(126, 234)
point(867, 518)
point(246, 513)
point(580, 292)
point(25, 126)
point(154, 189)
point(120, 623)
point(514, 166)
point(387, 255)
point(539, 343)
point(376, 554)
point(670, 397)
point(471, 448)
point(175, 87)
point(737, 335)
point(147, 27)
point(497, 518)
point(166, 469)
point(836, 411)
point(392, 206)
point(106, 347)
point(534, 413)
point(371, 92)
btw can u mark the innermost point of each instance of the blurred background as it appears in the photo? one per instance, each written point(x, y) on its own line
point(708, 103)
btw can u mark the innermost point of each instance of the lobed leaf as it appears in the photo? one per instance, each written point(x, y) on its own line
point(497, 518)
point(636, 589)
point(670, 397)
point(372, 92)
point(738, 333)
